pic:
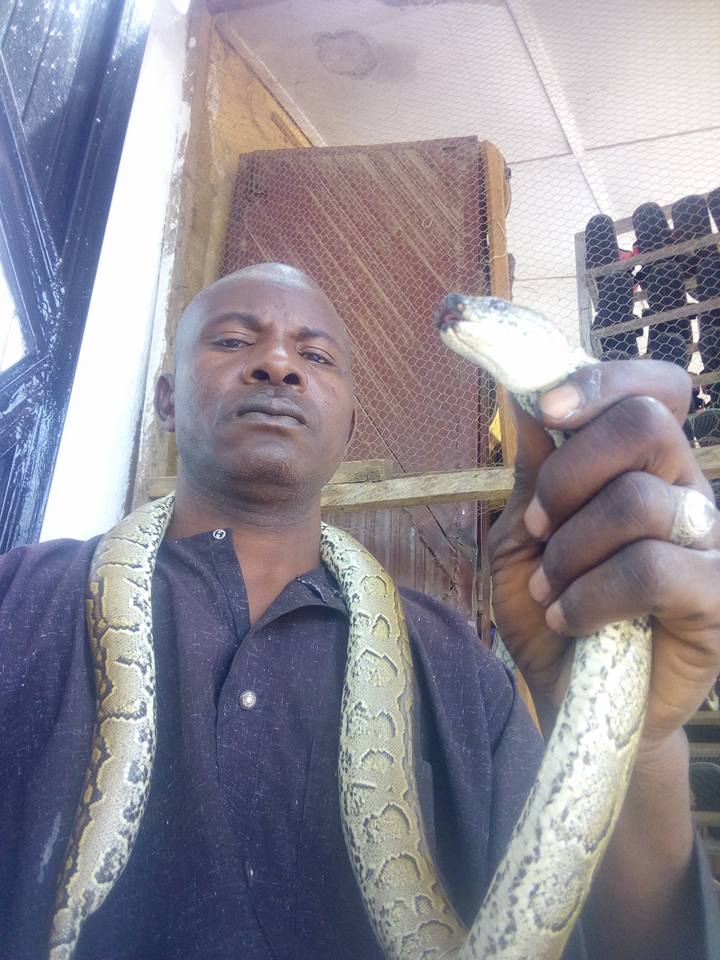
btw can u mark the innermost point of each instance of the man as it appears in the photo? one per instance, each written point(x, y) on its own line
point(240, 851)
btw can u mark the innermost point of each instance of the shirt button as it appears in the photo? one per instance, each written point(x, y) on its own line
point(219, 534)
point(248, 699)
point(249, 872)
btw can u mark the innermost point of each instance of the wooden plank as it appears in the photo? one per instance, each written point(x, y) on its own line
point(690, 310)
point(662, 253)
point(489, 484)
point(357, 471)
point(704, 718)
point(701, 750)
point(706, 818)
point(702, 378)
point(492, 484)
point(708, 459)
point(499, 275)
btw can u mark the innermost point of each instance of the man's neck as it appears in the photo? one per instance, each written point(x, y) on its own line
point(274, 542)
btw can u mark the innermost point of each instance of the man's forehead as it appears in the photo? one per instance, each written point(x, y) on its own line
point(262, 291)
point(266, 292)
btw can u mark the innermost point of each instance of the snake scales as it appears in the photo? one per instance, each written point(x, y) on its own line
point(541, 884)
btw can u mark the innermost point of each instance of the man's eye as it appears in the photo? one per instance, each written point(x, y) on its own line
point(231, 342)
point(315, 357)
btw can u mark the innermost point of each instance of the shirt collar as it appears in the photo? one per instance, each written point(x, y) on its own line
point(316, 587)
point(322, 584)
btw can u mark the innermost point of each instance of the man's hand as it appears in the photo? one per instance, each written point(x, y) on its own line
point(584, 539)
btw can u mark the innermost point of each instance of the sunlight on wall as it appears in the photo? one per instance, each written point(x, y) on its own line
point(92, 475)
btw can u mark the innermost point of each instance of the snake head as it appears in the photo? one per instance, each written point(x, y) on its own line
point(521, 348)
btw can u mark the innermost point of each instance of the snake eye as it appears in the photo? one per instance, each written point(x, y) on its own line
point(450, 311)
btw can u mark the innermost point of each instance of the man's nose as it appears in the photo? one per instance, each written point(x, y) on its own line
point(276, 366)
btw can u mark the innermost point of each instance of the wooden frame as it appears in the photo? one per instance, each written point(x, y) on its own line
point(497, 207)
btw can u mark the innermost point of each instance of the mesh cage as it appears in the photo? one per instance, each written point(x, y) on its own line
point(661, 298)
point(594, 111)
point(386, 231)
point(610, 127)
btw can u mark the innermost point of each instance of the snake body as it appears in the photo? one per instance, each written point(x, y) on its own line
point(540, 885)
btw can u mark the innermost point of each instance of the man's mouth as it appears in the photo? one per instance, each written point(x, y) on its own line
point(266, 408)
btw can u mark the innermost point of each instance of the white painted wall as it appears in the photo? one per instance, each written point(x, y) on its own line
point(92, 474)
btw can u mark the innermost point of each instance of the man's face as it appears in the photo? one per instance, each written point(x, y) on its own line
point(263, 387)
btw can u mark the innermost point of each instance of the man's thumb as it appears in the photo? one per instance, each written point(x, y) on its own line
point(534, 445)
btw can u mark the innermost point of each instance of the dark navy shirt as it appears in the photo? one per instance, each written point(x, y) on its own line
point(240, 852)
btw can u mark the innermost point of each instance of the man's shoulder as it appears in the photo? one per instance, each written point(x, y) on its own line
point(435, 618)
point(444, 634)
point(464, 685)
point(45, 564)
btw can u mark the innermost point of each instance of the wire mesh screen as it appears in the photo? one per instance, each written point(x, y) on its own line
point(386, 231)
point(661, 297)
point(609, 124)
point(594, 110)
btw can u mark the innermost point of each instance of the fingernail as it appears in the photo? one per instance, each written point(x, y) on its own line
point(554, 618)
point(538, 587)
point(562, 402)
point(537, 522)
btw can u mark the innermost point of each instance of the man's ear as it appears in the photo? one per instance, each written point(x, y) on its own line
point(165, 401)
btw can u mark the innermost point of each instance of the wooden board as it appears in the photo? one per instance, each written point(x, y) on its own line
point(497, 204)
point(358, 492)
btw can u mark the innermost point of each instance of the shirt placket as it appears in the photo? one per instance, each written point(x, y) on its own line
point(262, 756)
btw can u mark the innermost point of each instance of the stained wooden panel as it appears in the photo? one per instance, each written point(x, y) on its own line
point(386, 231)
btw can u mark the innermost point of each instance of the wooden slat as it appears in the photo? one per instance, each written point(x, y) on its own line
point(702, 378)
point(705, 718)
point(690, 310)
point(708, 459)
point(662, 253)
point(490, 484)
point(357, 471)
point(699, 750)
point(496, 202)
point(706, 818)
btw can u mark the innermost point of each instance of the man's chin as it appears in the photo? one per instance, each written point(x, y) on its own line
point(265, 474)
point(272, 476)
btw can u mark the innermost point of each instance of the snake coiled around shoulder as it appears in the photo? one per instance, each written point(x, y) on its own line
point(540, 885)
